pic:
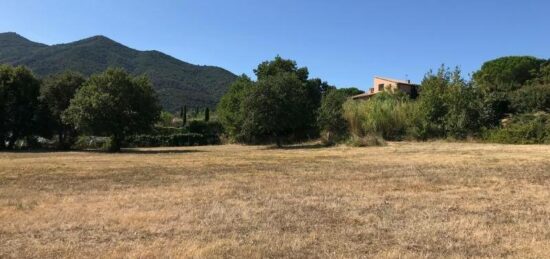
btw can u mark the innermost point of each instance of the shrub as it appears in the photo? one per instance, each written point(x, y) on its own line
point(387, 115)
point(176, 140)
point(205, 127)
point(522, 129)
point(330, 118)
point(90, 142)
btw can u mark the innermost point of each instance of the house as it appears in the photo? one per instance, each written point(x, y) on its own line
point(382, 84)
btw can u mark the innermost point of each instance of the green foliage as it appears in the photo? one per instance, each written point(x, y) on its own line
point(207, 114)
point(352, 91)
point(280, 66)
point(331, 115)
point(230, 110)
point(166, 119)
point(387, 115)
point(184, 115)
point(507, 73)
point(175, 81)
point(532, 98)
point(176, 140)
point(19, 91)
point(114, 104)
point(523, 129)
point(205, 127)
point(449, 105)
point(57, 92)
point(281, 106)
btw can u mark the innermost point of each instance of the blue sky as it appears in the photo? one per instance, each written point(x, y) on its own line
point(345, 42)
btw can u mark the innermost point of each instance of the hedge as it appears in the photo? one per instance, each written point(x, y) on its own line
point(174, 140)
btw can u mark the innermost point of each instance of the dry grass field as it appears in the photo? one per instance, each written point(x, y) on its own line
point(405, 200)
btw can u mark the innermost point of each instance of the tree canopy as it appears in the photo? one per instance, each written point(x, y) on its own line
point(114, 104)
point(19, 91)
point(56, 93)
point(280, 106)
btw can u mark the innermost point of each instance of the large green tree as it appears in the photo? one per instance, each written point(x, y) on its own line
point(57, 92)
point(275, 109)
point(114, 104)
point(19, 91)
point(449, 105)
point(280, 106)
point(507, 73)
point(498, 79)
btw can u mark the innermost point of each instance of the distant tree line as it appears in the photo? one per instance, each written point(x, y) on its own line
point(507, 101)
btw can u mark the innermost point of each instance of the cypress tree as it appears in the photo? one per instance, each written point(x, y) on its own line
point(184, 115)
point(207, 114)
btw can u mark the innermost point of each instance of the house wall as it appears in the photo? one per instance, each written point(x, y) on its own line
point(378, 81)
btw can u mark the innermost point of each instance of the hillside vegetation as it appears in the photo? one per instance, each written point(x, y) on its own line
point(176, 82)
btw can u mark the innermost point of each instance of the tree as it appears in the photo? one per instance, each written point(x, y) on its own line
point(114, 104)
point(498, 79)
point(230, 110)
point(207, 114)
point(449, 105)
point(351, 91)
point(534, 95)
point(19, 91)
point(280, 66)
point(57, 92)
point(184, 116)
point(274, 109)
point(280, 106)
point(331, 119)
point(507, 73)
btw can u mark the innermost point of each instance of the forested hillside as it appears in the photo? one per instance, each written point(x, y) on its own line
point(176, 82)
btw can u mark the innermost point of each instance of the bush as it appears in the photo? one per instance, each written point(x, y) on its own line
point(167, 131)
point(205, 127)
point(523, 129)
point(175, 140)
point(330, 118)
point(90, 142)
point(387, 115)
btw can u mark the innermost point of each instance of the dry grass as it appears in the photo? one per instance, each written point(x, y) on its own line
point(405, 200)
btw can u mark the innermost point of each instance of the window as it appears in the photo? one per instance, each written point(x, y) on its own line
point(381, 87)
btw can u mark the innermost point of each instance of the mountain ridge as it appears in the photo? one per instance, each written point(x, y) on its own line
point(177, 82)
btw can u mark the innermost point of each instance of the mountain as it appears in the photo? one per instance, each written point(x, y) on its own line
point(176, 82)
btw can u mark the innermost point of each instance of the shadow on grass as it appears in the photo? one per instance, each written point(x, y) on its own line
point(99, 151)
point(157, 151)
point(300, 146)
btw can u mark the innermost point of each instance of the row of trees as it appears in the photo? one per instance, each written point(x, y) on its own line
point(111, 103)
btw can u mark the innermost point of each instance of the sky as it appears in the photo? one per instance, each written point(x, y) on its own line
point(344, 42)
